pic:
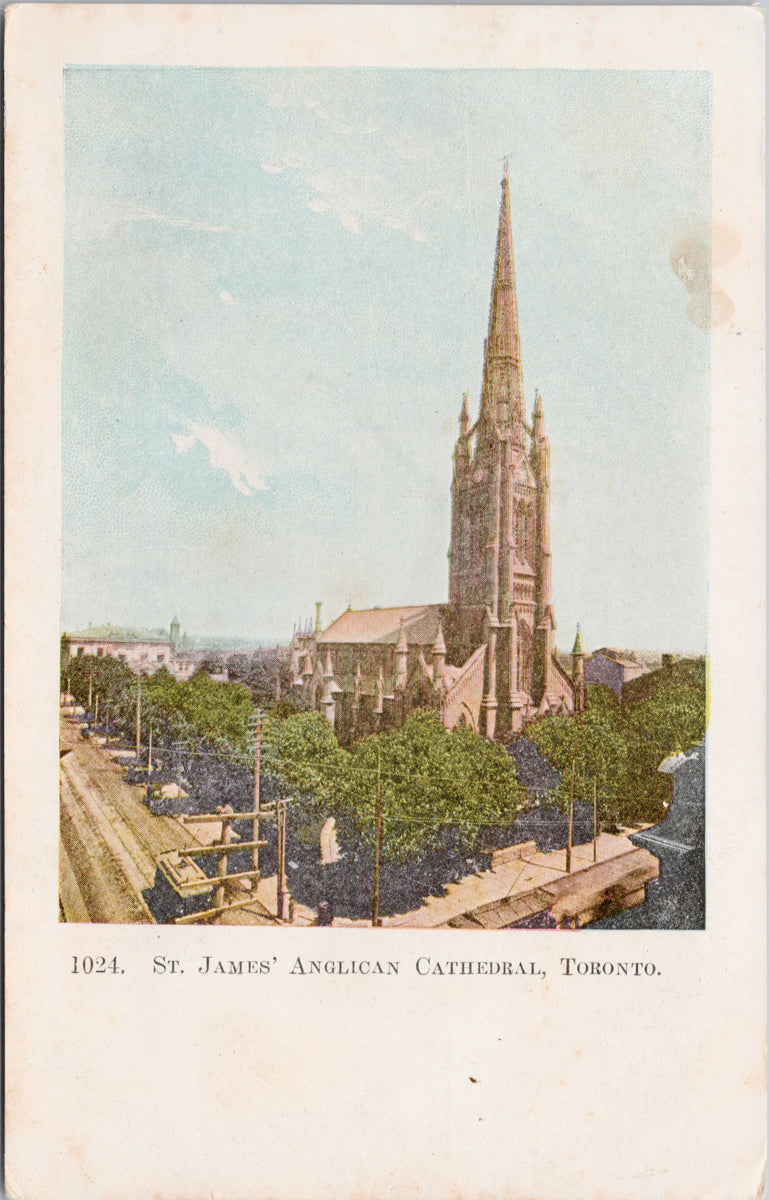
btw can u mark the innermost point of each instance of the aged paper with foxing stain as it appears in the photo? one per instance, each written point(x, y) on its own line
point(249, 252)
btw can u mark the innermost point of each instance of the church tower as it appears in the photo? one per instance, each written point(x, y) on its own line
point(499, 575)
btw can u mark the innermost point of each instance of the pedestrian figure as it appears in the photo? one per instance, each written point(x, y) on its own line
point(325, 913)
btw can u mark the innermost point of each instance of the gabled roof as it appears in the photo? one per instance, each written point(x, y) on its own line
point(382, 626)
point(561, 669)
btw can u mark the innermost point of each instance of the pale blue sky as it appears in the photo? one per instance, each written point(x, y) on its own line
point(276, 291)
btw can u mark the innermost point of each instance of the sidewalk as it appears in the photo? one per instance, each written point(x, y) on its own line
point(515, 879)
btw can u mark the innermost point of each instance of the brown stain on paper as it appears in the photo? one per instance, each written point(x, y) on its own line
point(693, 262)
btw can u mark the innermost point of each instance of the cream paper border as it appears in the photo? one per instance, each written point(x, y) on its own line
point(278, 1088)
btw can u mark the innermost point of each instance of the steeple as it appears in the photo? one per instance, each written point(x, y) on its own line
point(500, 560)
point(538, 417)
point(578, 672)
point(462, 449)
point(464, 417)
point(502, 399)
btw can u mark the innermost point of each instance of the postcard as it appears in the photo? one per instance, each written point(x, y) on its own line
point(385, 560)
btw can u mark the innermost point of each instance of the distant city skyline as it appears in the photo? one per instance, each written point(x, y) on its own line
point(276, 291)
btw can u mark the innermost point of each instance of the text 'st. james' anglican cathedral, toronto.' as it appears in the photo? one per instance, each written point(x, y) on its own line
point(487, 658)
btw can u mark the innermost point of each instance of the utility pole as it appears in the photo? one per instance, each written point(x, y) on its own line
point(217, 899)
point(90, 688)
point(375, 918)
point(257, 773)
point(138, 717)
point(571, 810)
point(282, 881)
point(96, 712)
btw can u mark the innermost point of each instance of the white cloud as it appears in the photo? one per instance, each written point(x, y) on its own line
point(277, 163)
point(226, 298)
point(390, 190)
point(183, 442)
point(350, 221)
point(147, 214)
point(224, 454)
point(410, 144)
point(356, 200)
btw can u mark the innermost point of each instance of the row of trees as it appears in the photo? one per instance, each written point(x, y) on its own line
point(188, 712)
point(443, 795)
point(440, 791)
point(429, 778)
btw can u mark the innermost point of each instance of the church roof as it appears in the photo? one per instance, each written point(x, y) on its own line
point(382, 625)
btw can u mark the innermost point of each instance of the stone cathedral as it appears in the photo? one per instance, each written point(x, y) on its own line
point(487, 658)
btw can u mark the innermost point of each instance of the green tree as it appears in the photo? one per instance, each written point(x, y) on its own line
point(671, 721)
point(302, 755)
point(431, 780)
point(590, 747)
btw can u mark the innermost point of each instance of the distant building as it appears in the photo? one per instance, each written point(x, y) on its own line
point(612, 668)
point(143, 653)
point(487, 658)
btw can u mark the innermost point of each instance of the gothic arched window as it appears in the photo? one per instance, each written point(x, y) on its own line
point(525, 658)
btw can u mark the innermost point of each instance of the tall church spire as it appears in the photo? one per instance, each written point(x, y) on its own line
point(502, 381)
point(500, 561)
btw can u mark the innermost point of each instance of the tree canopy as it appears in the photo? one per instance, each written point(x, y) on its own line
point(622, 749)
point(430, 780)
